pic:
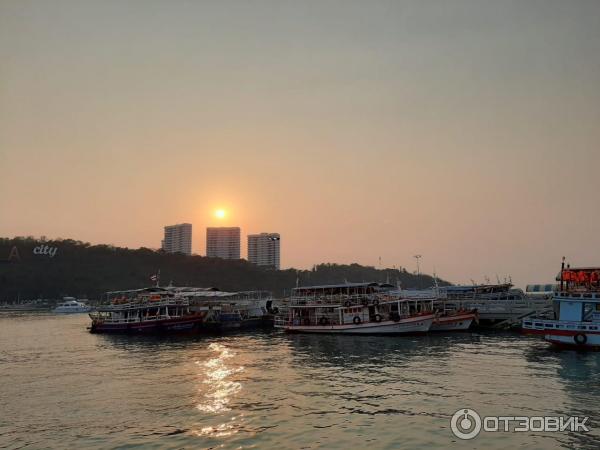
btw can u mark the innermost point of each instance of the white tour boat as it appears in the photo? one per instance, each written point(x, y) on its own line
point(352, 308)
point(576, 316)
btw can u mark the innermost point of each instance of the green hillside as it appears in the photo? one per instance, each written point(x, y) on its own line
point(31, 268)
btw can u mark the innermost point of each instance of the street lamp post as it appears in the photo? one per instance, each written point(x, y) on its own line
point(418, 257)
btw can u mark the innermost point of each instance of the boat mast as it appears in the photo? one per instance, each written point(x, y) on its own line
point(562, 268)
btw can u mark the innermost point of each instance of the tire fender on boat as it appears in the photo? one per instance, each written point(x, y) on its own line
point(378, 318)
point(580, 339)
point(356, 320)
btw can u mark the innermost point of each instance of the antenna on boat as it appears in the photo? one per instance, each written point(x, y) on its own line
point(562, 268)
point(158, 278)
point(497, 278)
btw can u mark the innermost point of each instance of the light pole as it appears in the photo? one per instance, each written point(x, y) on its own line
point(418, 257)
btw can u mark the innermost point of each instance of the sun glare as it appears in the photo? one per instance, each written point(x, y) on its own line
point(220, 213)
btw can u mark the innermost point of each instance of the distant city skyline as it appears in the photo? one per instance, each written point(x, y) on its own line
point(463, 131)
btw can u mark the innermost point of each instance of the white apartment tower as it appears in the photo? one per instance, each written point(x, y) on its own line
point(178, 239)
point(264, 249)
point(223, 242)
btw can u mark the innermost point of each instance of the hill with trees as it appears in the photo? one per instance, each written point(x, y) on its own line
point(37, 268)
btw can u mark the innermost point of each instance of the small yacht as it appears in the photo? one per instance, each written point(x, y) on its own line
point(70, 305)
point(575, 319)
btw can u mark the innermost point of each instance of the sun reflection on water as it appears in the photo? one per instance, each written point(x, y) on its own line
point(217, 389)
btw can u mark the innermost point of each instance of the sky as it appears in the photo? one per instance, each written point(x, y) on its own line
point(464, 131)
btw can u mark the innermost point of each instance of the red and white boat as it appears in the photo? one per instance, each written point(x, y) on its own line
point(575, 322)
point(448, 316)
point(460, 320)
point(146, 311)
point(352, 308)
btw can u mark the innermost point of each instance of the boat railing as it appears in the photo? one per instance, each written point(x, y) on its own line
point(137, 304)
point(334, 300)
point(550, 324)
point(109, 319)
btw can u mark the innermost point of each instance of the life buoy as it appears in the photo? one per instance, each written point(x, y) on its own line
point(323, 321)
point(580, 339)
point(356, 320)
point(376, 302)
point(378, 318)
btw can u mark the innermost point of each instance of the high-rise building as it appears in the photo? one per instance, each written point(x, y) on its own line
point(178, 239)
point(223, 242)
point(264, 249)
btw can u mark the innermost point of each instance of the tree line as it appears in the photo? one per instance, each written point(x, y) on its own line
point(37, 268)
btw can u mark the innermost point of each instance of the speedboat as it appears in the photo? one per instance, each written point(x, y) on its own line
point(70, 305)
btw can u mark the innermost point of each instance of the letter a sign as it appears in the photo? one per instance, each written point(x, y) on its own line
point(14, 254)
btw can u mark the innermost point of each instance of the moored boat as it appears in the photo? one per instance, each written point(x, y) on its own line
point(352, 308)
point(460, 320)
point(575, 320)
point(146, 311)
point(448, 316)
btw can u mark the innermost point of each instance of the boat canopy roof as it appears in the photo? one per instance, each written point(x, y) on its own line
point(541, 288)
point(209, 292)
point(480, 288)
point(342, 288)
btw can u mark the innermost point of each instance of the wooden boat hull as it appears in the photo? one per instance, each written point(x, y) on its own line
point(411, 325)
point(191, 324)
point(454, 322)
point(568, 339)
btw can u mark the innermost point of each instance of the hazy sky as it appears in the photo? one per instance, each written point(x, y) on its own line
point(465, 131)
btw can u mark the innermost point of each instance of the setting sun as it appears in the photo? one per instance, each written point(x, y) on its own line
point(220, 213)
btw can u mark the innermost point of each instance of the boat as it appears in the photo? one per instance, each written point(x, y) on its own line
point(497, 305)
point(448, 317)
point(153, 310)
point(352, 308)
point(229, 311)
point(70, 305)
point(574, 321)
point(459, 320)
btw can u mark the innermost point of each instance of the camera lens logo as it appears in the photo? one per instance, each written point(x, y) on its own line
point(465, 424)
